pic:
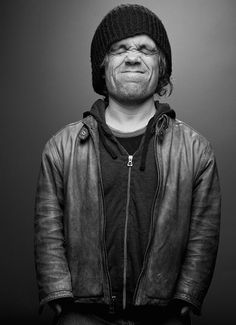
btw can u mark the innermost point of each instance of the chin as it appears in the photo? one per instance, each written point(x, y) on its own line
point(131, 98)
point(131, 92)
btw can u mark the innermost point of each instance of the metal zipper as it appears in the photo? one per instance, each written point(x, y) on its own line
point(129, 164)
point(151, 225)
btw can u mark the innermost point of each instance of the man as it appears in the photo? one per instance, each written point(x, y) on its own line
point(128, 198)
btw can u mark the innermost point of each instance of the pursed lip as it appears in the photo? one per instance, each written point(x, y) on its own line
point(132, 71)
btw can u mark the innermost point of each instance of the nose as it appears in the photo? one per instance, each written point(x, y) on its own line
point(132, 57)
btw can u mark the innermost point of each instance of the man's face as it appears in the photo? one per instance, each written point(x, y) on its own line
point(131, 69)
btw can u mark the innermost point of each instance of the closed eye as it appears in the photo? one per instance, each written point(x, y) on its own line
point(119, 50)
point(147, 50)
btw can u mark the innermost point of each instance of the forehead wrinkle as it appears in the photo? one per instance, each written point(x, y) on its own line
point(135, 41)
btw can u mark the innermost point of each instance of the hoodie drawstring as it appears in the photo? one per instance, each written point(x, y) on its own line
point(102, 133)
point(148, 134)
point(104, 141)
point(161, 117)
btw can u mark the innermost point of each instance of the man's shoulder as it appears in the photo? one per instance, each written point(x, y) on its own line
point(189, 133)
point(65, 136)
point(68, 131)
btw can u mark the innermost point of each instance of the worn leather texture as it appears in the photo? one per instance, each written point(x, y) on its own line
point(70, 255)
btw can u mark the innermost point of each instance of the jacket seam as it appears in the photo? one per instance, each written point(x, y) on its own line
point(55, 295)
point(203, 162)
point(190, 299)
point(55, 154)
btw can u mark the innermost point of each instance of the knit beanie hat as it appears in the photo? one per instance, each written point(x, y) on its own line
point(125, 21)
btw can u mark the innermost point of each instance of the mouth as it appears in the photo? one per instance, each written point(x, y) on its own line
point(133, 71)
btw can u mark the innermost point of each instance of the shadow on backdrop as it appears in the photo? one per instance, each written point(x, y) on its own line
point(46, 83)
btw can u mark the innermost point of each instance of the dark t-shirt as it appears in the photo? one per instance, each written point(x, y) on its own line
point(128, 197)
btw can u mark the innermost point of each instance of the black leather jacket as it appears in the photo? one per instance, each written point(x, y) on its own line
point(70, 252)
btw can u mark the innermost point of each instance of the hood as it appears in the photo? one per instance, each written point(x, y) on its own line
point(99, 107)
point(159, 123)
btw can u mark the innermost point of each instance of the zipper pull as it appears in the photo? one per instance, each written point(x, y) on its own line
point(112, 305)
point(130, 161)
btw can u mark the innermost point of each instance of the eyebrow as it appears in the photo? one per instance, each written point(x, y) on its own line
point(138, 46)
point(118, 46)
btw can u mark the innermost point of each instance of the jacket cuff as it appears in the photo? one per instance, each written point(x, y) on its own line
point(54, 296)
point(192, 301)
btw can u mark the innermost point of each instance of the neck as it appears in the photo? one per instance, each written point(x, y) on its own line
point(129, 118)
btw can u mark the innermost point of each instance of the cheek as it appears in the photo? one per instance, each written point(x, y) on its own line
point(155, 73)
point(110, 74)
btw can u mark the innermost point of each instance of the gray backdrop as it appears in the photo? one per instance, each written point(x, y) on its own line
point(46, 83)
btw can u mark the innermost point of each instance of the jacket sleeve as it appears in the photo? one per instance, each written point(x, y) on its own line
point(200, 256)
point(52, 272)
